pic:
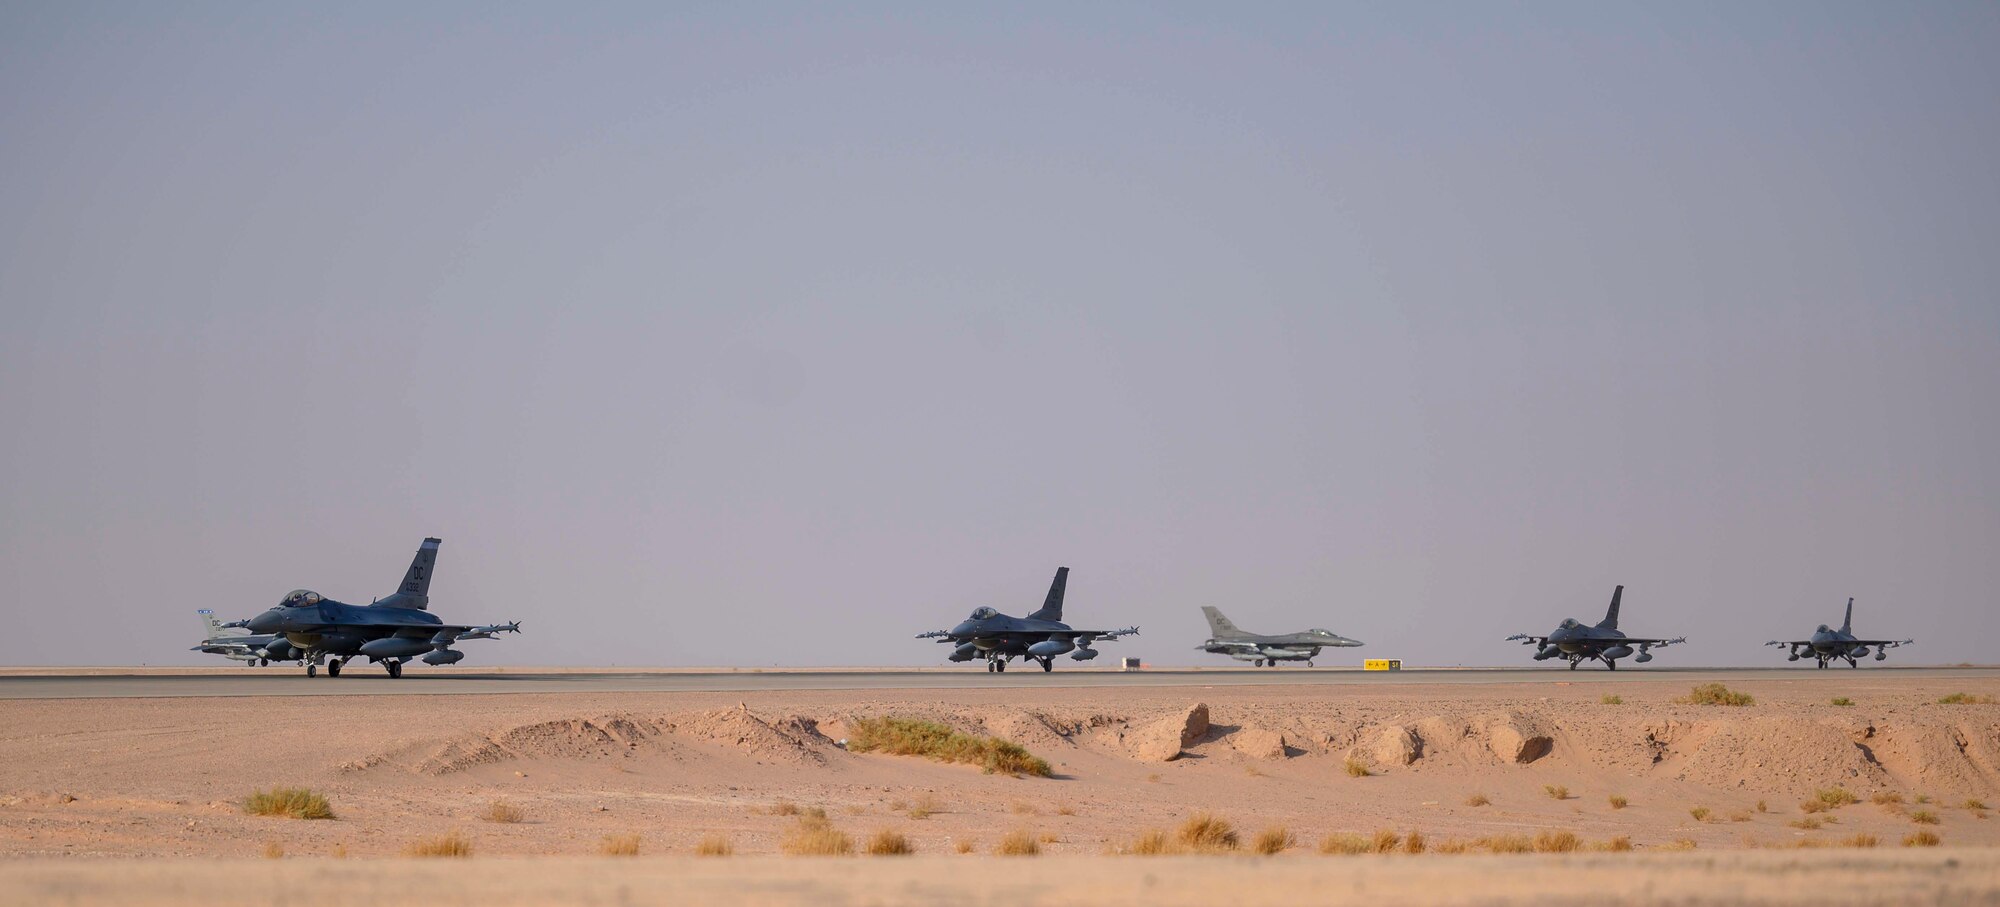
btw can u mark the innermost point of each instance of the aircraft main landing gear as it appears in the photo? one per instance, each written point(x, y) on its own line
point(1048, 664)
point(333, 668)
point(394, 667)
point(312, 670)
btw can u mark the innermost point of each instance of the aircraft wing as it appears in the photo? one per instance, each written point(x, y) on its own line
point(1792, 642)
point(1883, 643)
point(1096, 634)
point(1529, 639)
point(1655, 643)
point(220, 648)
point(484, 632)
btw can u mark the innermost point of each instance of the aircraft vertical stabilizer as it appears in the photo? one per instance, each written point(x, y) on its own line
point(415, 592)
point(1611, 616)
point(1220, 626)
point(1052, 606)
point(1847, 626)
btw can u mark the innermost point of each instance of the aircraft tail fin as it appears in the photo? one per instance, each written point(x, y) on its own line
point(1847, 626)
point(1219, 626)
point(415, 592)
point(1052, 606)
point(1610, 621)
point(211, 626)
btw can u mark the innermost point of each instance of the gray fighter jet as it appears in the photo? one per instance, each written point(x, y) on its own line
point(1577, 642)
point(1829, 644)
point(234, 642)
point(1225, 639)
point(1039, 637)
point(390, 630)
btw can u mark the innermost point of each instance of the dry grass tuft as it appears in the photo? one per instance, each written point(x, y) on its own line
point(1451, 847)
point(1357, 768)
point(1924, 817)
point(1716, 694)
point(503, 812)
point(1343, 845)
point(784, 808)
point(1508, 844)
point(1205, 833)
point(1556, 791)
point(966, 846)
point(1066, 810)
point(1618, 802)
point(1922, 838)
point(619, 845)
point(1741, 815)
point(914, 737)
point(1153, 778)
point(714, 846)
point(925, 808)
point(1813, 806)
point(1151, 843)
point(294, 802)
point(1763, 807)
point(1842, 701)
point(1859, 841)
point(1974, 804)
point(1024, 808)
point(340, 851)
point(815, 837)
point(1611, 699)
point(1385, 841)
point(887, 843)
point(1620, 844)
point(1273, 841)
point(1478, 800)
point(1809, 823)
point(1413, 843)
point(1965, 699)
point(1557, 842)
point(1836, 797)
point(1700, 813)
point(453, 844)
point(1018, 843)
point(274, 850)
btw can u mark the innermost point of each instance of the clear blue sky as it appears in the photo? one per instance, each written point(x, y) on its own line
point(756, 334)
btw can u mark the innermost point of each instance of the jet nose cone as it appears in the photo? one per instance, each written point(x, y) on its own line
point(268, 622)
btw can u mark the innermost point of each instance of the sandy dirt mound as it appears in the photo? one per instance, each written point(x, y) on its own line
point(1786, 754)
point(790, 739)
point(1933, 757)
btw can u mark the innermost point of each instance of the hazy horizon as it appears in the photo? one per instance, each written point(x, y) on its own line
point(770, 335)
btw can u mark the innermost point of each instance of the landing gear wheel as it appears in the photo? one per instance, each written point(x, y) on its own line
point(312, 670)
point(1000, 666)
point(1048, 664)
point(395, 668)
point(333, 668)
point(1258, 663)
point(263, 662)
point(1611, 666)
point(1572, 665)
point(1309, 663)
point(989, 667)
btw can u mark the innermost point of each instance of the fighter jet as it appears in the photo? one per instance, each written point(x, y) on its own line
point(1226, 639)
point(390, 630)
point(1828, 644)
point(1039, 637)
point(236, 643)
point(1604, 642)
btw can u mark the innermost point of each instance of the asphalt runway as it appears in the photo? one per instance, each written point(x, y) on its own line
point(291, 681)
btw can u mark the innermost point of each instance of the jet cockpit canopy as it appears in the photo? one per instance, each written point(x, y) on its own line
point(1824, 628)
point(983, 614)
point(1569, 623)
point(300, 598)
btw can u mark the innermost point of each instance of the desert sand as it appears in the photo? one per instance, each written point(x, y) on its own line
point(138, 800)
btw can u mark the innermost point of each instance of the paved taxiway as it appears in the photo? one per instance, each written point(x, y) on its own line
point(288, 681)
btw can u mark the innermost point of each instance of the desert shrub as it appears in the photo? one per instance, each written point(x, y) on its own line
point(1922, 838)
point(1808, 823)
point(1357, 768)
point(1556, 791)
point(619, 845)
point(1385, 841)
point(1618, 802)
point(294, 802)
point(1065, 810)
point(784, 808)
point(1886, 798)
point(1611, 699)
point(502, 812)
point(1717, 694)
point(1700, 813)
point(453, 844)
point(1813, 806)
point(1413, 843)
point(1272, 841)
point(1619, 844)
point(1451, 846)
point(1151, 843)
point(1508, 844)
point(811, 837)
point(887, 843)
point(1741, 815)
point(924, 808)
point(914, 737)
point(1974, 804)
point(1018, 843)
point(966, 846)
point(1557, 842)
point(1859, 841)
point(1836, 797)
point(1965, 699)
point(1842, 701)
point(1477, 800)
point(1924, 817)
point(1682, 844)
point(1763, 807)
point(1205, 833)
point(714, 846)
point(1340, 844)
